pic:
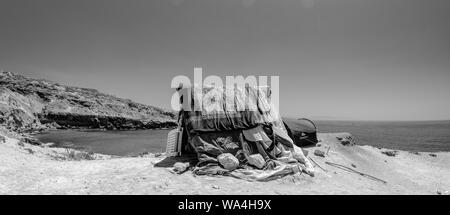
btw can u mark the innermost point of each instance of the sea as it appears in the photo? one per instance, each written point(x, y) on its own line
point(423, 136)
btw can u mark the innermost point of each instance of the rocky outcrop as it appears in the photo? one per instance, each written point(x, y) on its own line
point(31, 104)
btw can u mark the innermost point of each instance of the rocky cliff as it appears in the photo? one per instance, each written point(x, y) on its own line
point(30, 104)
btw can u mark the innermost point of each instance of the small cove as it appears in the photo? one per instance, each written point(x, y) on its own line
point(120, 143)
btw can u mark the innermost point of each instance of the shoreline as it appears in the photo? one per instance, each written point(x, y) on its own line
point(108, 138)
point(29, 135)
point(107, 131)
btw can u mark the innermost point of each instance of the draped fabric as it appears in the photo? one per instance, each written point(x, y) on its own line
point(229, 122)
point(220, 109)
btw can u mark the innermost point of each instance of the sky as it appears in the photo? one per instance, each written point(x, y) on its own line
point(336, 59)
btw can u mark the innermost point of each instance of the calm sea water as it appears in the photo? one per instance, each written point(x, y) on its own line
point(430, 136)
point(410, 136)
point(122, 143)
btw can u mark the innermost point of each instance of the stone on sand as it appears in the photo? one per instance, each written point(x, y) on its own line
point(256, 160)
point(319, 153)
point(228, 161)
point(390, 153)
point(180, 167)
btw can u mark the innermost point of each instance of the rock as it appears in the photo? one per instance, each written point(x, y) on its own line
point(353, 165)
point(54, 125)
point(433, 155)
point(28, 104)
point(346, 140)
point(319, 153)
point(31, 140)
point(50, 144)
point(390, 153)
point(257, 160)
point(228, 161)
point(215, 187)
point(2, 139)
point(179, 167)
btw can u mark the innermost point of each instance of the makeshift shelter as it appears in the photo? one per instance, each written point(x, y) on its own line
point(242, 123)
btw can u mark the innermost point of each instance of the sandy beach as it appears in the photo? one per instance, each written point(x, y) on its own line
point(28, 169)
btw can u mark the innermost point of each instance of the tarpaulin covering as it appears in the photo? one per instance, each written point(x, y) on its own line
point(281, 158)
point(219, 109)
point(229, 122)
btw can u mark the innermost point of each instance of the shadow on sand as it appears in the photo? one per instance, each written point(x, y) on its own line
point(170, 161)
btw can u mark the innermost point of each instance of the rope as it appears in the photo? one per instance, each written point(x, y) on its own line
point(317, 164)
point(348, 169)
